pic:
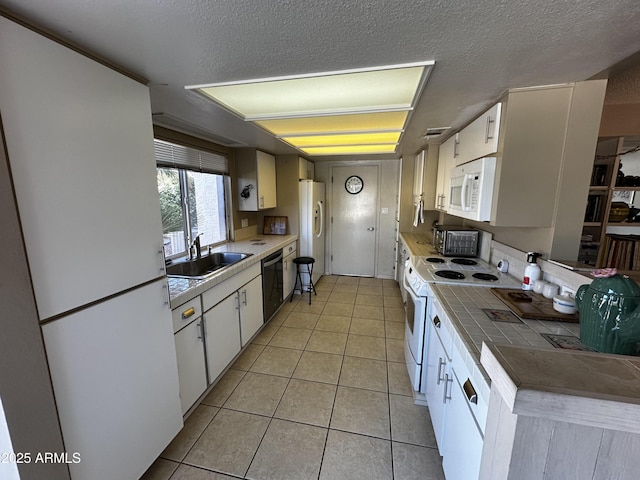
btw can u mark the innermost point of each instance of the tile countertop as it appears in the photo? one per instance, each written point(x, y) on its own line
point(472, 327)
point(184, 289)
point(418, 245)
point(559, 385)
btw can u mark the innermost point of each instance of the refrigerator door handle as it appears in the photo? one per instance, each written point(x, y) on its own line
point(321, 208)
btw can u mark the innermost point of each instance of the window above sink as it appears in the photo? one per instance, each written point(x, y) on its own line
point(192, 197)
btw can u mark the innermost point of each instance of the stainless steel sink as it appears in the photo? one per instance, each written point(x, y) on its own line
point(203, 267)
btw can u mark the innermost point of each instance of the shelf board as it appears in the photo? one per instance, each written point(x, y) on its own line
point(592, 224)
point(631, 189)
point(598, 188)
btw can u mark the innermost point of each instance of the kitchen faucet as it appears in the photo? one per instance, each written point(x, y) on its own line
point(196, 244)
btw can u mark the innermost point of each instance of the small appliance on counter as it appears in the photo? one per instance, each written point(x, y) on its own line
point(455, 240)
point(610, 313)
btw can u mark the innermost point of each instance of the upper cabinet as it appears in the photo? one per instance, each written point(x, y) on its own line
point(546, 138)
point(256, 172)
point(306, 169)
point(446, 161)
point(479, 138)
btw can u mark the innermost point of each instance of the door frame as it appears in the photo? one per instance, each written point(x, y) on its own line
point(329, 201)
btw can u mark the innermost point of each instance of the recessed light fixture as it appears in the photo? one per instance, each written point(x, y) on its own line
point(329, 113)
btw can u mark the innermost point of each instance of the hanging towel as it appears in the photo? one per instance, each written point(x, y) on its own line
point(418, 217)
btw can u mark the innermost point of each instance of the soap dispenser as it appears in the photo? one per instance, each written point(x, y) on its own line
point(532, 272)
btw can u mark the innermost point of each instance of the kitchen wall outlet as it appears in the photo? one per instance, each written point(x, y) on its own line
point(384, 211)
point(244, 222)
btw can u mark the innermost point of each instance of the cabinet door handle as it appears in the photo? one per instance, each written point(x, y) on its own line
point(447, 381)
point(244, 294)
point(441, 363)
point(238, 301)
point(200, 331)
point(470, 392)
point(456, 142)
point(488, 137)
point(188, 313)
point(261, 201)
point(436, 321)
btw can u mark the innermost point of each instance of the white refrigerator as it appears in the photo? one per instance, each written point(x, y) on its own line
point(312, 226)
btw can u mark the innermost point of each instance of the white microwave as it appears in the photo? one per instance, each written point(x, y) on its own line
point(471, 189)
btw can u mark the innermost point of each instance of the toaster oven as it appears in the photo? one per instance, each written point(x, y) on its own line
point(456, 241)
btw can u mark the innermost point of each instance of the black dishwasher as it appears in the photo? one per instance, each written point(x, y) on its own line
point(271, 284)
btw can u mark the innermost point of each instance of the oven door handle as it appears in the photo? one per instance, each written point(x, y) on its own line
point(409, 290)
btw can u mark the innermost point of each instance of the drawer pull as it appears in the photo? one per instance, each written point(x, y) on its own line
point(470, 392)
point(447, 381)
point(188, 313)
point(441, 363)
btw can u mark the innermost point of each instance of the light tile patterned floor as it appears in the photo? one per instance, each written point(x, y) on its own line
point(321, 393)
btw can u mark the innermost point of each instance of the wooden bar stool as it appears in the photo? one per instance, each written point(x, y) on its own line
point(300, 262)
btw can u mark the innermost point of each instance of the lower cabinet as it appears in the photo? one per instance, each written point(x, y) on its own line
point(437, 381)
point(251, 314)
point(289, 270)
point(462, 446)
point(222, 334)
point(457, 411)
point(192, 371)
point(207, 342)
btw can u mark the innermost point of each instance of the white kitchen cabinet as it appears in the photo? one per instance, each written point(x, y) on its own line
point(222, 334)
point(438, 380)
point(545, 135)
point(446, 161)
point(463, 440)
point(306, 169)
point(256, 180)
point(114, 374)
point(83, 167)
point(289, 269)
point(251, 314)
point(192, 372)
point(232, 315)
point(480, 138)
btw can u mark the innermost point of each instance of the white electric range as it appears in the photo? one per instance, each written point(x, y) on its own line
point(420, 273)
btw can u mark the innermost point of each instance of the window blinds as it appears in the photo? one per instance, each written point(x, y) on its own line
point(179, 156)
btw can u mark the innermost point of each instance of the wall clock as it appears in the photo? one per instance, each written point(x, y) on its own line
point(353, 184)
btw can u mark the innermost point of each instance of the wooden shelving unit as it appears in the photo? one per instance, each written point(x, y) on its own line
point(607, 243)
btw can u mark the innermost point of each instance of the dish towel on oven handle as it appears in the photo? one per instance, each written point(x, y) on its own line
point(418, 217)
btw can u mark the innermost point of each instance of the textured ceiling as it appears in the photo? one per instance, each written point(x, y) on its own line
point(480, 48)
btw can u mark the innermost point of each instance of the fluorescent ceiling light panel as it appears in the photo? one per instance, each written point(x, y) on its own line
point(382, 89)
point(361, 122)
point(349, 150)
point(346, 139)
point(328, 109)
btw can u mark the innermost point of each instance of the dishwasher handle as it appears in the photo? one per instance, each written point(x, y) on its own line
point(267, 262)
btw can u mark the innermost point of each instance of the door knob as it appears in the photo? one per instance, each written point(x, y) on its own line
point(371, 229)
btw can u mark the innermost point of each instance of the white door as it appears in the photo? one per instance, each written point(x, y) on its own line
point(354, 213)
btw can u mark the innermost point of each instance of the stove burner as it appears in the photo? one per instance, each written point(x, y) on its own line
point(449, 274)
point(434, 260)
point(485, 276)
point(464, 261)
